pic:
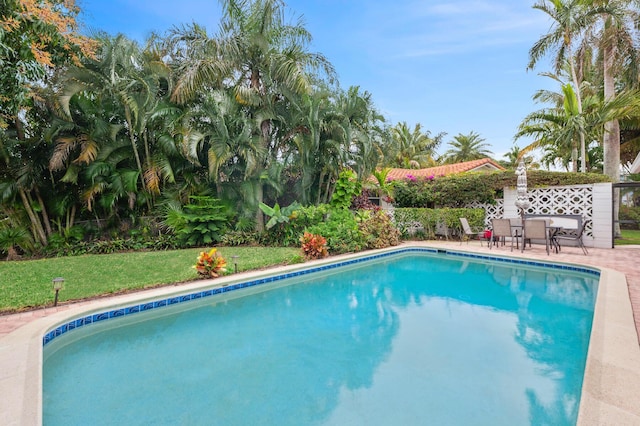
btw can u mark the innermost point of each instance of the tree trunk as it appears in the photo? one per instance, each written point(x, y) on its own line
point(45, 216)
point(19, 128)
point(71, 217)
point(147, 154)
point(12, 254)
point(35, 222)
point(127, 114)
point(583, 149)
point(259, 214)
point(36, 225)
point(611, 138)
point(318, 198)
point(583, 152)
point(329, 192)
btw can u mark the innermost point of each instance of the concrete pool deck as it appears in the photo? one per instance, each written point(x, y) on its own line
point(611, 388)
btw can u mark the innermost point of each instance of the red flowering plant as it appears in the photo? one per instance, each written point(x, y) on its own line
point(314, 246)
point(211, 264)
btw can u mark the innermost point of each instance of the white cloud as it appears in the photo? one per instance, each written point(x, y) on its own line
point(420, 29)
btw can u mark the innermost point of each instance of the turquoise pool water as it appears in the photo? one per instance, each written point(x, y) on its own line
point(407, 339)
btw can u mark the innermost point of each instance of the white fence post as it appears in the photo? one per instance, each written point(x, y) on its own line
point(602, 216)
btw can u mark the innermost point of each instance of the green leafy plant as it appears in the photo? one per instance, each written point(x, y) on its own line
point(279, 215)
point(340, 228)
point(629, 217)
point(13, 238)
point(239, 238)
point(459, 190)
point(384, 186)
point(210, 264)
point(314, 246)
point(281, 228)
point(379, 231)
point(346, 188)
point(203, 221)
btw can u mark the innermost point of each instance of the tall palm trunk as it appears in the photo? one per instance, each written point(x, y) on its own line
point(43, 212)
point(611, 137)
point(259, 214)
point(127, 113)
point(35, 222)
point(583, 148)
point(320, 181)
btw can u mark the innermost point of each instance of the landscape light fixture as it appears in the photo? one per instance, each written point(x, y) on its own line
point(57, 286)
point(235, 262)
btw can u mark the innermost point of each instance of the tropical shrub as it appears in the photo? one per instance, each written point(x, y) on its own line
point(113, 245)
point(413, 192)
point(314, 246)
point(340, 228)
point(346, 188)
point(279, 215)
point(210, 264)
point(287, 233)
point(203, 221)
point(363, 202)
point(12, 239)
point(281, 229)
point(451, 191)
point(462, 189)
point(629, 217)
point(240, 238)
point(379, 231)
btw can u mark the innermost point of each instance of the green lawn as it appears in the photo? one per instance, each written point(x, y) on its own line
point(27, 284)
point(629, 236)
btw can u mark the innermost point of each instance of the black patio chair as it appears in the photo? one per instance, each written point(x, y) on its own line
point(573, 235)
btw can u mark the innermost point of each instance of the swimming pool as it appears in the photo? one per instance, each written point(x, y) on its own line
point(397, 339)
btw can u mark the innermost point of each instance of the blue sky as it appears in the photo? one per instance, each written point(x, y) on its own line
point(454, 66)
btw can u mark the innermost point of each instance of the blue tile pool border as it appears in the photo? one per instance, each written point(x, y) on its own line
point(172, 300)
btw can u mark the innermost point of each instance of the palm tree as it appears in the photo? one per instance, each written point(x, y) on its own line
point(514, 156)
point(616, 33)
point(362, 130)
point(466, 148)
point(570, 19)
point(120, 99)
point(413, 147)
point(23, 176)
point(312, 146)
point(118, 75)
point(557, 129)
point(330, 131)
point(561, 125)
point(266, 61)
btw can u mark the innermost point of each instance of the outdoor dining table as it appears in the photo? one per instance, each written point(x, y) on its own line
point(518, 233)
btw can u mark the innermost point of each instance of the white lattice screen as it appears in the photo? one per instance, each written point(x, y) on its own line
point(562, 200)
point(576, 200)
point(490, 210)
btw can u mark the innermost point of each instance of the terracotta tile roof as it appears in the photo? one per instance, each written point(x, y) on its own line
point(486, 164)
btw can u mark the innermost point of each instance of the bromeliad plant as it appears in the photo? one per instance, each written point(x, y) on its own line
point(314, 246)
point(211, 264)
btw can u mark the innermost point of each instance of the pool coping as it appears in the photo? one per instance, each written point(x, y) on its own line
point(611, 386)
